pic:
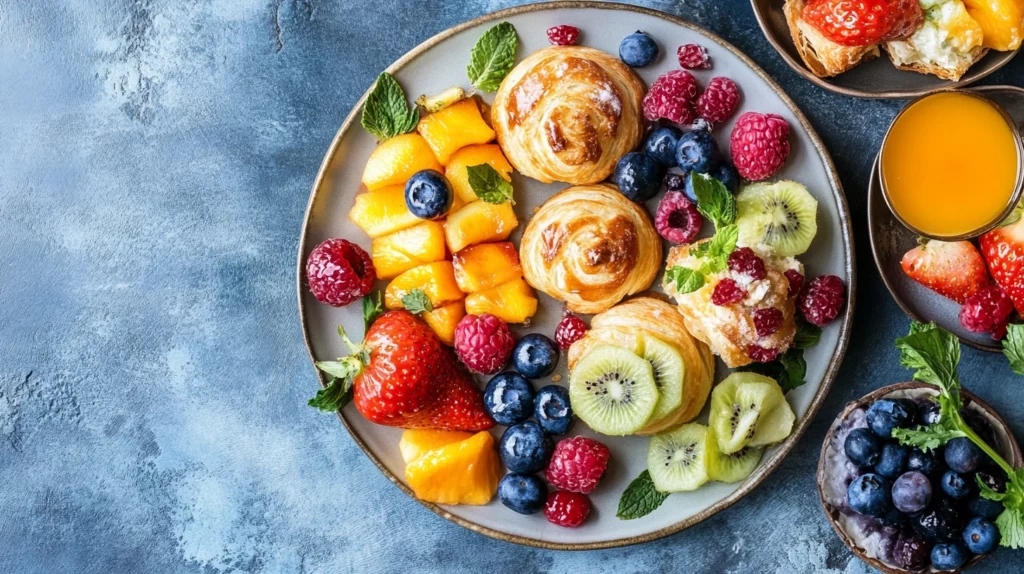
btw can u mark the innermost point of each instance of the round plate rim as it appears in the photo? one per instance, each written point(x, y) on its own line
point(845, 325)
point(800, 68)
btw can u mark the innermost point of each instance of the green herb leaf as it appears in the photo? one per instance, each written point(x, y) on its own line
point(338, 369)
point(493, 57)
point(334, 396)
point(386, 112)
point(372, 308)
point(934, 355)
point(488, 184)
point(640, 498)
point(1011, 528)
point(686, 280)
point(794, 370)
point(1013, 347)
point(807, 335)
point(987, 492)
point(416, 302)
point(713, 199)
point(926, 438)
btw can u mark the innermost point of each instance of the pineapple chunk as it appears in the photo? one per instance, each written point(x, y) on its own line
point(512, 302)
point(418, 442)
point(464, 472)
point(486, 265)
point(441, 101)
point(456, 126)
point(437, 280)
point(395, 160)
point(383, 211)
point(472, 155)
point(443, 321)
point(479, 222)
point(400, 251)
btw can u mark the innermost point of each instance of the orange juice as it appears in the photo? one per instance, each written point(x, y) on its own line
point(950, 164)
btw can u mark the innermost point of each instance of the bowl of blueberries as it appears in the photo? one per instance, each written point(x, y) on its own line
point(904, 509)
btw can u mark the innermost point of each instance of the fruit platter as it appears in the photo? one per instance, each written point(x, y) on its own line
point(576, 275)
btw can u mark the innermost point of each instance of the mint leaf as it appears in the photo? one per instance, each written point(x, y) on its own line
point(794, 370)
point(416, 302)
point(493, 57)
point(1011, 528)
point(934, 355)
point(724, 242)
point(372, 308)
point(713, 199)
point(386, 112)
point(334, 396)
point(488, 184)
point(640, 498)
point(686, 280)
point(1013, 347)
point(807, 335)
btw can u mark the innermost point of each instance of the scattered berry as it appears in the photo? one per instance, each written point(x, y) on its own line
point(893, 461)
point(568, 509)
point(869, 494)
point(987, 311)
point(697, 152)
point(796, 281)
point(953, 269)
point(862, 447)
point(535, 356)
point(675, 181)
point(850, 22)
point(719, 100)
point(523, 493)
point(553, 409)
point(563, 35)
point(577, 464)
point(727, 175)
point(509, 398)
point(700, 125)
point(962, 455)
point(661, 145)
point(483, 343)
point(885, 415)
point(911, 492)
point(767, 321)
point(671, 97)
point(955, 485)
point(727, 292)
point(760, 354)
point(911, 551)
point(980, 536)
point(677, 218)
point(693, 57)
point(638, 176)
point(638, 49)
point(759, 145)
point(743, 260)
point(907, 17)
point(428, 194)
point(339, 272)
point(949, 556)
point(525, 448)
point(822, 299)
point(569, 330)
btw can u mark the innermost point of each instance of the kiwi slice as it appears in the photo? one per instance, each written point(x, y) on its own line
point(781, 215)
point(729, 467)
point(774, 426)
point(613, 390)
point(737, 405)
point(668, 367)
point(676, 459)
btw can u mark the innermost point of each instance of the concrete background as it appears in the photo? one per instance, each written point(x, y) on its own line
point(155, 160)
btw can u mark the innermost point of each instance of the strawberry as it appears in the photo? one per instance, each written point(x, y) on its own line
point(851, 22)
point(460, 406)
point(907, 18)
point(1003, 249)
point(954, 270)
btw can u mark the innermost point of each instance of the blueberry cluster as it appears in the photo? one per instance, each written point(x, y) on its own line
point(926, 503)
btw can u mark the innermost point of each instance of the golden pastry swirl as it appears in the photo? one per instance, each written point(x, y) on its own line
point(590, 246)
point(568, 113)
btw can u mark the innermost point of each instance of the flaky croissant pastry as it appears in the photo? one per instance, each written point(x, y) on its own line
point(628, 325)
point(823, 57)
point(568, 113)
point(590, 247)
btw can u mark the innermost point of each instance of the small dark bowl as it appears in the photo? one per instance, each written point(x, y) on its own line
point(1006, 446)
point(876, 78)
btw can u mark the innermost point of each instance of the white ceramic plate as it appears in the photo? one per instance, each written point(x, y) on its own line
point(441, 62)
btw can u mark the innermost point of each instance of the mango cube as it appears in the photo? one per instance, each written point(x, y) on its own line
point(400, 251)
point(443, 320)
point(486, 265)
point(382, 212)
point(456, 126)
point(436, 280)
point(479, 222)
point(395, 160)
point(512, 302)
point(464, 472)
point(418, 442)
point(455, 169)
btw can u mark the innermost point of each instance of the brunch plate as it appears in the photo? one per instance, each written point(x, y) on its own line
point(890, 240)
point(438, 64)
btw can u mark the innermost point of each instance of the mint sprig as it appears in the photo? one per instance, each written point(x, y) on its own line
point(640, 498)
point(714, 201)
point(807, 335)
point(493, 57)
point(1013, 347)
point(386, 112)
point(488, 185)
point(686, 280)
point(416, 302)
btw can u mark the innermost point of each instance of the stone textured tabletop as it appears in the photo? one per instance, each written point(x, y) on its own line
point(155, 161)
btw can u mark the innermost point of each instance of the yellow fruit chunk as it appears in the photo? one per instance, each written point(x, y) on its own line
point(512, 302)
point(443, 321)
point(479, 222)
point(382, 212)
point(402, 250)
point(1001, 21)
point(456, 126)
point(395, 160)
point(417, 442)
point(486, 265)
point(455, 169)
point(465, 472)
point(437, 280)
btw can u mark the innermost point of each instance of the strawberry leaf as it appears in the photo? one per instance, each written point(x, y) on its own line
point(334, 396)
point(372, 308)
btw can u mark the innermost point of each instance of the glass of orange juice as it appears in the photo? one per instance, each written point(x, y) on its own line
point(951, 165)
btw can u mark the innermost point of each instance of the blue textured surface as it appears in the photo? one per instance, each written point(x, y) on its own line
point(155, 161)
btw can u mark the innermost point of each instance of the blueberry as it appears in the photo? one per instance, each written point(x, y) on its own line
point(954, 485)
point(727, 174)
point(553, 410)
point(869, 494)
point(524, 493)
point(979, 424)
point(892, 518)
point(994, 480)
point(949, 556)
point(509, 398)
point(921, 461)
point(638, 49)
point(862, 447)
point(939, 523)
point(893, 460)
point(928, 412)
point(675, 181)
point(981, 536)
point(985, 508)
point(885, 415)
point(525, 448)
point(661, 145)
point(911, 551)
point(962, 455)
point(697, 152)
point(911, 492)
point(535, 356)
point(638, 176)
point(428, 195)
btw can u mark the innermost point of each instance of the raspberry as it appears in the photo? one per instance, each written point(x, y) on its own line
point(671, 97)
point(674, 181)
point(743, 260)
point(564, 35)
point(760, 354)
point(577, 464)
point(693, 57)
point(822, 299)
point(339, 272)
point(727, 292)
point(568, 509)
point(987, 311)
point(483, 343)
point(719, 100)
point(796, 281)
point(569, 330)
point(767, 321)
point(677, 218)
point(759, 145)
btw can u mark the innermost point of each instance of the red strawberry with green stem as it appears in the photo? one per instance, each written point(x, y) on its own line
point(954, 269)
point(1003, 249)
